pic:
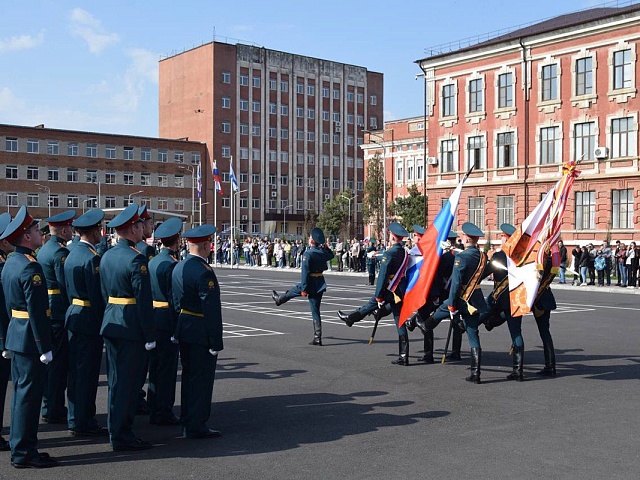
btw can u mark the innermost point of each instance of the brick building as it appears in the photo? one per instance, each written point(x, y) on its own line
point(291, 124)
point(517, 106)
point(53, 170)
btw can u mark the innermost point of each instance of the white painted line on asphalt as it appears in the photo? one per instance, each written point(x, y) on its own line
point(595, 307)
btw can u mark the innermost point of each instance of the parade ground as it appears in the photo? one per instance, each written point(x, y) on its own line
point(288, 410)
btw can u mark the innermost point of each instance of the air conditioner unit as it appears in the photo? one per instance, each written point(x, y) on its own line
point(327, 196)
point(273, 187)
point(244, 217)
point(337, 129)
point(274, 194)
point(432, 160)
point(601, 152)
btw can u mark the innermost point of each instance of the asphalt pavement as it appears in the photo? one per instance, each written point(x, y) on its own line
point(290, 410)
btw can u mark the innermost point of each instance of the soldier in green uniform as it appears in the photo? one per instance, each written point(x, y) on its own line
point(28, 339)
point(500, 305)
point(83, 320)
point(196, 295)
point(52, 257)
point(163, 361)
point(127, 327)
point(313, 284)
point(5, 359)
point(390, 289)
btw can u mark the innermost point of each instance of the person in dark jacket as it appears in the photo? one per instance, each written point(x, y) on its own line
point(576, 254)
point(5, 360)
point(544, 303)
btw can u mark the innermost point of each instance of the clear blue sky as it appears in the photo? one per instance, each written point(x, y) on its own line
point(93, 65)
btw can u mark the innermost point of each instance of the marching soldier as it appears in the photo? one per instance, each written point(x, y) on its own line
point(313, 284)
point(544, 303)
point(163, 361)
point(83, 320)
point(52, 257)
point(127, 327)
point(465, 296)
point(28, 339)
point(5, 360)
point(390, 289)
point(500, 305)
point(196, 295)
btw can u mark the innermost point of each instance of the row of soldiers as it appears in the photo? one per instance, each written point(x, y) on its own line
point(65, 305)
point(456, 295)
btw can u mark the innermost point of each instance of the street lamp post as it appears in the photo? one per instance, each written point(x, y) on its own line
point(48, 190)
point(84, 203)
point(284, 223)
point(132, 194)
point(348, 198)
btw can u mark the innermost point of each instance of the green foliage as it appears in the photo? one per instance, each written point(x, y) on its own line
point(335, 217)
point(374, 194)
point(409, 210)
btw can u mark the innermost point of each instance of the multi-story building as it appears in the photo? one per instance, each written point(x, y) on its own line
point(518, 105)
point(291, 125)
point(53, 170)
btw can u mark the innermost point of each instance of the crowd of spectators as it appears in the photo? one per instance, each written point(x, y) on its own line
point(601, 264)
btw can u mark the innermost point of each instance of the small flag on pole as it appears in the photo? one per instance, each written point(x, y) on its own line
point(199, 181)
point(216, 179)
point(232, 178)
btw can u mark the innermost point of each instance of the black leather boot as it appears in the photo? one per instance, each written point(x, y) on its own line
point(317, 334)
point(279, 299)
point(456, 346)
point(518, 365)
point(476, 357)
point(494, 320)
point(350, 318)
point(549, 369)
point(380, 312)
point(403, 347)
point(428, 347)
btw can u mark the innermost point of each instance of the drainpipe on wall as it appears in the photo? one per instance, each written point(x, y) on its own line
point(525, 76)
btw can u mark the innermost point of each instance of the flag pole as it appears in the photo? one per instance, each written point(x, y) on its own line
point(215, 220)
point(232, 220)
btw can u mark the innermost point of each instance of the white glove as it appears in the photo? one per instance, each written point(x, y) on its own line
point(150, 345)
point(380, 304)
point(453, 313)
point(6, 354)
point(213, 352)
point(173, 340)
point(46, 357)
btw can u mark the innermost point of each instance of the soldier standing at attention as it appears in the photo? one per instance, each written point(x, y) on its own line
point(313, 284)
point(390, 289)
point(163, 362)
point(83, 321)
point(544, 303)
point(28, 339)
point(196, 295)
point(128, 328)
point(499, 302)
point(372, 261)
point(465, 296)
point(52, 257)
point(5, 363)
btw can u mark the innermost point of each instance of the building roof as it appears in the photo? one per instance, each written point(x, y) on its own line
point(552, 24)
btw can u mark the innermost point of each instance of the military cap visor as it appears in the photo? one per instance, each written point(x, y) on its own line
point(127, 217)
point(398, 230)
point(143, 213)
point(452, 234)
point(90, 219)
point(507, 229)
point(318, 235)
point(200, 234)
point(419, 229)
point(20, 224)
point(61, 219)
point(5, 219)
point(169, 228)
point(471, 230)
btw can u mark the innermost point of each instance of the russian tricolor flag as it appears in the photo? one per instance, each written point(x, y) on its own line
point(216, 179)
point(420, 275)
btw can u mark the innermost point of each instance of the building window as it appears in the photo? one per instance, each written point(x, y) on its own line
point(163, 156)
point(584, 141)
point(622, 201)
point(284, 157)
point(622, 69)
point(506, 149)
point(447, 155)
point(53, 175)
point(92, 176)
point(584, 76)
point(255, 107)
point(419, 169)
point(311, 159)
point(32, 173)
point(273, 84)
point(225, 127)
point(311, 136)
point(448, 100)
point(299, 112)
point(505, 90)
point(11, 171)
point(178, 181)
point(622, 138)
point(110, 201)
point(128, 153)
point(72, 175)
point(179, 204)
point(54, 201)
point(11, 144)
point(410, 171)
point(549, 82)
point(110, 178)
point(476, 211)
point(145, 179)
point(373, 123)
point(255, 154)
point(284, 133)
point(311, 90)
point(475, 152)
point(374, 100)
point(476, 103)
point(244, 202)
point(325, 92)
point(73, 201)
point(505, 209)
point(52, 148)
point(244, 105)
point(72, 149)
point(226, 77)
point(33, 146)
point(163, 204)
point(110, 152)
point(33, 200)
point(11, 199)
point(399, 172)
point(244, 129)
point(549, 143)
point(226, 102)
point(586, 210)
point(244, 80)
point(128, 178)
point(336, 94)
point(311, 114)
point(284, 110)
point(244, 153)
point(178, 157)
point(300, 88)
point(336, 139)
point(299, 181)
point(145, 154)
point(255, 81)
point(92, 150)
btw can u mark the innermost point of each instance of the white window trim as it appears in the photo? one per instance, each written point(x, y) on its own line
point(624, 94)
point(505, 112)
point(475, 117)
point(549, 106)
point(483, 150)
point(584, 101)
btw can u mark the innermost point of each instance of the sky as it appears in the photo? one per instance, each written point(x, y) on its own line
point(92, 65)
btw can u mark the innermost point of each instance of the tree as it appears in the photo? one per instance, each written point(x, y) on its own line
point(310, 221)
point(409, 210)
point(375, 189)
point(334, 219)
